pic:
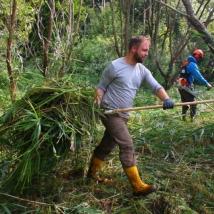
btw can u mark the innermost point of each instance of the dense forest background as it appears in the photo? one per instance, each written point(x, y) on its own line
point(69, 43)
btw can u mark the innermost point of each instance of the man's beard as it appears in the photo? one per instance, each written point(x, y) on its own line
point(138, 58)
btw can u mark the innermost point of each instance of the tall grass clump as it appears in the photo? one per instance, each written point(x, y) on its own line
point(43, 127)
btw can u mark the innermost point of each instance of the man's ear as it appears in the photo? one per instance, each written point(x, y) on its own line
point(134, 49)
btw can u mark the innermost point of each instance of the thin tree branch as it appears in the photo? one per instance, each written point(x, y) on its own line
point(25, 200)
point(172, 8)
point(200, 27)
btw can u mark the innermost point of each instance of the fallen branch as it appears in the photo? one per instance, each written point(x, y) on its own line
point(25, 200)
point(60, 209)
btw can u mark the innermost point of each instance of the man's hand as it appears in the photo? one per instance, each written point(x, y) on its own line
point(209, 86)
point(97, 100)
point(168, 103)
point(98, 96)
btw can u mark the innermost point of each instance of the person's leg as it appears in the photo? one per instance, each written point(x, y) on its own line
point(105, 147)
point(117, 128)
point(190, 98)
point(192, 107)
point(184, 98)
point(140, 188)
point(184, 111)
point(192, 111)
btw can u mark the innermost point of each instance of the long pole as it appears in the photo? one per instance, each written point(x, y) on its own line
point(156, 106)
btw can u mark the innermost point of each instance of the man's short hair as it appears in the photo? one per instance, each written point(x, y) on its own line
point(137, 40)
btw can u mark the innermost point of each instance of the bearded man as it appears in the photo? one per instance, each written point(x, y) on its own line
point(117, 89)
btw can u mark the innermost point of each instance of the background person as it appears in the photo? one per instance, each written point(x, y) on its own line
point(190, 74)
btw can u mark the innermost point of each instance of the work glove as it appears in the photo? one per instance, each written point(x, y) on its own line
point(168, 103)
point(209, 86)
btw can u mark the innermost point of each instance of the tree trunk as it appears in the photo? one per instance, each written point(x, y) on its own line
point(207, 37)
point(11, 27)
point(70, 37)
point(47, 39)
point(116, 44)
point(127, 8)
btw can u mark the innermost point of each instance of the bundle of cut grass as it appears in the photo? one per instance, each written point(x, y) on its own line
point(42, 127)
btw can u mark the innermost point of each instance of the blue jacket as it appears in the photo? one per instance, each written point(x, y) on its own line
point(194, 74)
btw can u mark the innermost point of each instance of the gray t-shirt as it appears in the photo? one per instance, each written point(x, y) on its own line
point(120, 82)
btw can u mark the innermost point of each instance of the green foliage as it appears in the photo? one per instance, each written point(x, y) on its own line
point(47, 122)
point(84, 208)
point(25, 17)
point(4, 80)
point(99, 22)
point(29, 78)
point(38, 131)
point(175, 155)
point(92, 55)
point(10, 208)
point(4, 91)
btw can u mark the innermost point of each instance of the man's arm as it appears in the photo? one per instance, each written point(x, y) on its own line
point(161, 93)
point(194, 70)
point(106, 79)
point(159, 90)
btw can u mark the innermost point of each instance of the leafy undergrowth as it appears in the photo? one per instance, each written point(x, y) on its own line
point(41, 128)
point(175, 155)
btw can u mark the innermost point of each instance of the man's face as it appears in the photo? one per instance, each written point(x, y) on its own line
point(142, 51)
point(198, 57)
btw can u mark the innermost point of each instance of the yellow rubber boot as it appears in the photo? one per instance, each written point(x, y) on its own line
point(139, 187)
point(95, 166)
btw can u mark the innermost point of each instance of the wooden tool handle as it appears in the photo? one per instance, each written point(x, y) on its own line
point(156, 106)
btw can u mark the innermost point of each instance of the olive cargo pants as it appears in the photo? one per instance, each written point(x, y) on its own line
point(116, 133)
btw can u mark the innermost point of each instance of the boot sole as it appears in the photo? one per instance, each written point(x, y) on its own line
point(145, 193)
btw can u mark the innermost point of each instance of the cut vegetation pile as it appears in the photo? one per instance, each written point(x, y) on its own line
point(43, 127)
